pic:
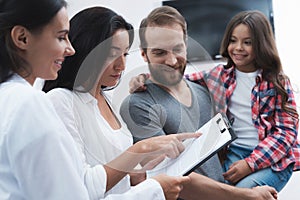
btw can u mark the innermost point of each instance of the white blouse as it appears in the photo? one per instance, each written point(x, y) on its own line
point(37, 155)
point(99, 143)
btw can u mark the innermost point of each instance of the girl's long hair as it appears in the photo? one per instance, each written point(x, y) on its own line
point(264, 48)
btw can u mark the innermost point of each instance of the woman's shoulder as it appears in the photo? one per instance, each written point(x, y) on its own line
point(60, 95)
point(60, 92)
point(21, 99)
point(20, 93)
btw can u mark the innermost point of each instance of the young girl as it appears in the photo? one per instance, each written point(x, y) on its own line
point(255, 94)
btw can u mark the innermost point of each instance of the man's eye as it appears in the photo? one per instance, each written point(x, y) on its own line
point(159, 52)
point(178, 50)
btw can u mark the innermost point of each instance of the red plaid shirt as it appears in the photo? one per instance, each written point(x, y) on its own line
point(277, 129)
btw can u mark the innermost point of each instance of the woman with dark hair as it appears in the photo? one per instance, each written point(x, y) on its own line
point(37, 158)
point(86, 36)
point(102, 40)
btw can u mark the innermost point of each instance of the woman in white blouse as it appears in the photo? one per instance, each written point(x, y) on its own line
point(102, 40)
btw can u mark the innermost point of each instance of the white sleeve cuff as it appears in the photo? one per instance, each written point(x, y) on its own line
point(149, 189)
point(95, 181)
point(96, 178)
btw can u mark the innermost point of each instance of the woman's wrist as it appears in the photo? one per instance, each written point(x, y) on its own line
point(140, 147)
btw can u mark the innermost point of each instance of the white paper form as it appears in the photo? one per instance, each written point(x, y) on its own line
point(216, 133)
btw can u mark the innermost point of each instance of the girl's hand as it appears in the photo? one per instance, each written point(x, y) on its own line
point(237, 171)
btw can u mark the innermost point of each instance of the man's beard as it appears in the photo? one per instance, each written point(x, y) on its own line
point(167, 78)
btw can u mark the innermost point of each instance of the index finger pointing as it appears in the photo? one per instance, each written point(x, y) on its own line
point(183, 136)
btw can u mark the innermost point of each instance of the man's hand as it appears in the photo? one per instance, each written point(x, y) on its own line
point(137, 83)
point(264, 193)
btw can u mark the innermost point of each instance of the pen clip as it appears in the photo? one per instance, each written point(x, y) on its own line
point(228, 122)
point(221, 125)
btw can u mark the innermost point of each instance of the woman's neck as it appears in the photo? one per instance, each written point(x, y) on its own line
point(107, 112)
point(29, 78)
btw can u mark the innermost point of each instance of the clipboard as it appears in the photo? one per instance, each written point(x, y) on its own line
point(216, 134)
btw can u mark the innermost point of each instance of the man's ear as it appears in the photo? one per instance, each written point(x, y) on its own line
point(144, 55)
point(19, 35)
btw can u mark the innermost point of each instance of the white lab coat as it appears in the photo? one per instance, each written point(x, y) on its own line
point(37, 155)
